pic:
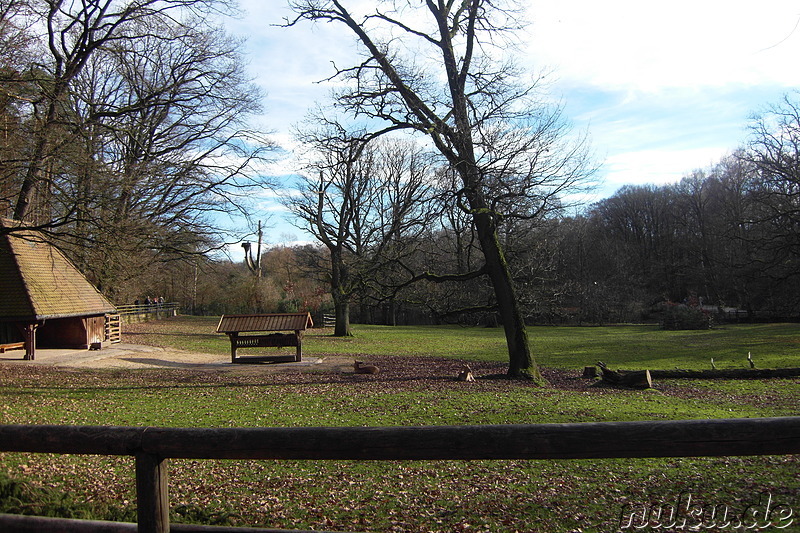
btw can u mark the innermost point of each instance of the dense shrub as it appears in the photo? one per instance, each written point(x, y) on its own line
point(680, 316)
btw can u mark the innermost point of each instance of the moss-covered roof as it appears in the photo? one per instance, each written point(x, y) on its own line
point(38, 282)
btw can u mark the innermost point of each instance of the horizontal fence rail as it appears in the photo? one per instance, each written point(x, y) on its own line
point(39, 524)
point(128, 309)
point(143, 312)
point(151, 446)
point(588, 440)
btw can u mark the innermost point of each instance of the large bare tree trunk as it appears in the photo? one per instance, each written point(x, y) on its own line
point(341, 297)
point(34, 171)
point(342, 311)
point(520, 359)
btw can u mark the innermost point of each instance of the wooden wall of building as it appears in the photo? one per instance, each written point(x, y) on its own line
point(75, 332)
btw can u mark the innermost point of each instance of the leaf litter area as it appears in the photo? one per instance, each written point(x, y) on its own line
point(568, 496)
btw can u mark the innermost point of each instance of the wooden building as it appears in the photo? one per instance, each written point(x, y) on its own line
point(44, 299)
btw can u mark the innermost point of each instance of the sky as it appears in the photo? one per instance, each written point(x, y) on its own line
point(662, 88)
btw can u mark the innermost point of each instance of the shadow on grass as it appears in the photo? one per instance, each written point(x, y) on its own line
point(165, 363)
point(212, 336)
point(191, 382)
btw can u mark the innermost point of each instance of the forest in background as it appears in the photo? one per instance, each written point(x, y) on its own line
point(125, 137)
point(722, 238)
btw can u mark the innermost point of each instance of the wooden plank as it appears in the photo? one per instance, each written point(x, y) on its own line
point(152, 499)
point(274, 340)
point(99, 440)
point(40, 524)
point(11, 346)
point(245, 359)
point(540, 441)
point(676, 438)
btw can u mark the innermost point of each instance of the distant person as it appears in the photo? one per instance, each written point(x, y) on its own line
point(147, 301)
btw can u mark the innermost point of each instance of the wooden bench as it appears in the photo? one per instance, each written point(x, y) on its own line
point(275, 324)
point(12, 346)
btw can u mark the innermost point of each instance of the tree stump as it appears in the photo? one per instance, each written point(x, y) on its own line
point(466, 374)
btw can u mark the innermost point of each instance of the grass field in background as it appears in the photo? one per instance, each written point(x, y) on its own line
point(635, 347)
point(417, 496)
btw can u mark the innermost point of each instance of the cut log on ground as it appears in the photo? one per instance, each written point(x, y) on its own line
point(637, 379)
point(734, 373)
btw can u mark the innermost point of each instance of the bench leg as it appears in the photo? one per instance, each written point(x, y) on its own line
point(233, 346)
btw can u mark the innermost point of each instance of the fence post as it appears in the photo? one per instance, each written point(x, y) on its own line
point(152, 496)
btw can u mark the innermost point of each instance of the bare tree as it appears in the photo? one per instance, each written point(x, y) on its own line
point(774, 150)
point(17, 93)
point(360, 200)
point(175, 128)
point(172, 147)
point(137, 141)
point(75, 32)
point(130, 133)
point(432, 67)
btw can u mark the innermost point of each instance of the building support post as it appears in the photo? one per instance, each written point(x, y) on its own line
point(29, 331)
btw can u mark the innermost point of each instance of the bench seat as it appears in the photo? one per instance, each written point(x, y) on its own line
point(12, 346)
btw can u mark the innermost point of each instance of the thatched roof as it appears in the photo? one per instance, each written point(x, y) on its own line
point(38, 282)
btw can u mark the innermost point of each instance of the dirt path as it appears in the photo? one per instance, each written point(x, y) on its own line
point(132, 356)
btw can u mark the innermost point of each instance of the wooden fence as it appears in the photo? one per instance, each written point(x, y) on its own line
point(152, 447)
point(113, 329)
point(142, 312)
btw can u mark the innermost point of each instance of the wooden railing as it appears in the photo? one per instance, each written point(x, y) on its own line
point(152, 447)
point(138, 312)
point(113, 328)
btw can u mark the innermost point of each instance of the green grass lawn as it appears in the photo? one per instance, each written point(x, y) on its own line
point(498, 496)
point(771, 345)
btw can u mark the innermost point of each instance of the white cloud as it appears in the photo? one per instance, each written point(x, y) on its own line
point(645, 46)
point(657, 166)
point(289, 62)
point(664, 88)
